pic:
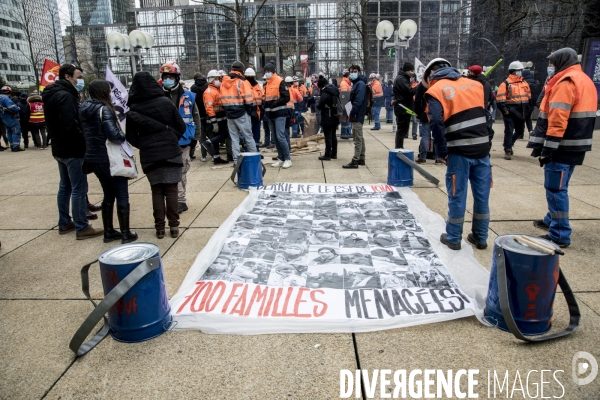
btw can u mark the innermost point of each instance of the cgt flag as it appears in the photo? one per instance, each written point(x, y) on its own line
point(49, 73)
point(119, 96)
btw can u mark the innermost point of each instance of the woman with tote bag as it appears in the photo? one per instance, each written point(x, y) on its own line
point(154, 126)
point(100, 123)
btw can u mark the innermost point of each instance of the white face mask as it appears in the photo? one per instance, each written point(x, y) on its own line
point(268, 75)
point(518, 73)
point(217, 83)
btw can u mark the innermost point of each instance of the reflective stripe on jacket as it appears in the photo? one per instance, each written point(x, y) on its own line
point(295, 97)
point(186, 110)
point(212, 104)
point(275, 104)
point(518, 93)
point(463, 114)
point(236, 95)
point(36, 115)
point(567, 114)
point(258, 95)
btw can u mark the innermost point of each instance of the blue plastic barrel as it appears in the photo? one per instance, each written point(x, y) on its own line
point(400, 173)
point(144, 311)
point(250, 172)
point(532, 277)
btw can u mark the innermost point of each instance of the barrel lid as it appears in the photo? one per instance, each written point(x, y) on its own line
point(250, 153)
point(508, 242)
point(128, 253)
point(401, 150)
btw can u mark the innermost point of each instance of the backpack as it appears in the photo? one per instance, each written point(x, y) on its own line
point(337, 110)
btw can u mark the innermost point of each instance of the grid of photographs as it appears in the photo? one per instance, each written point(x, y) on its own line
point(335, 241)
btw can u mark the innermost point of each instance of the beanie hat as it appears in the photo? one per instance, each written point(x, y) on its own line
point(24, 95)
point(322, 82)
point(238, 66)
point(408, 67)
point(476, 69)
point(269, 67)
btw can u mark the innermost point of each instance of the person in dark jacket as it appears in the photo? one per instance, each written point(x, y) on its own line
point(61, 112)
point(424, 127)
point(154, 126)
point(536, 88)
point(100, 123)
point(389, 109)
point(476, 73)
point(329, 120)
point(403, 96)
point(199, 86)
point(358, 99)
point(24, 118)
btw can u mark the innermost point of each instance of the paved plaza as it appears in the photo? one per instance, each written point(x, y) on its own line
point(41, 303)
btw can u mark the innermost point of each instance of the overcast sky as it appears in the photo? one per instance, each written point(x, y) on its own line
point(63, 10)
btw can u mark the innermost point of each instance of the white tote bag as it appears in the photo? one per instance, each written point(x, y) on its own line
point(120, 156)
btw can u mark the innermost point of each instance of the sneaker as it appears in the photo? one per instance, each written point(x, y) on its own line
point(67, 229)
point(287, 164)
point(559, 244)
point(203, 159)
point(182, 208)
point(507, 154)
point(421, 161)
point(539, 223)
point(219, 160)
point(473, 240)
point(351, 165)
point(89, 233)
point(207, 145)
point(277, 164)
point(445, 241)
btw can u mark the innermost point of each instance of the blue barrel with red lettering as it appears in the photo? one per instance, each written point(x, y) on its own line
point(144, 311)
point(399, 172)
point(532, 277)
point(250, 172)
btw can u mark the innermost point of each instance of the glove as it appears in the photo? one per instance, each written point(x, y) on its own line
point(544, 160)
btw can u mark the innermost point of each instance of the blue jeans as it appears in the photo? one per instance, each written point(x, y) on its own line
point(556, 182)
point(346, 131)
point(460, 171)
point(415, 125)
point(256, 132)
point(300, 120)
point(425, 133)
point(269, 139)
point(14, 136)
point(113, 187)
point(282, 138)
point(240, 127)
point(389, 114)
point(376, 112)
point(72, 187)
point(294, 127)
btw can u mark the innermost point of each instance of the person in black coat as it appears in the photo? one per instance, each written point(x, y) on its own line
point(403, 95)
point(329, 120)
point(24, 118)
point(154, 126)
point(536, 88)
point(199, 86)
point(100, 123)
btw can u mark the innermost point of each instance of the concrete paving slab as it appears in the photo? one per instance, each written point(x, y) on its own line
point(179, 258)
point(297, 174)
point(35, 344)
point(194, 365)
point(360, 175)
point(592, 300)
point(588, 194)
point(580, 262)
point(13, 239)
point(219, 208)
point(467, 344)
point(48, 267)
point(34, 212)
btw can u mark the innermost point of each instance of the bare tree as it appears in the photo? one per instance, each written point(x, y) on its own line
point(73, 20)
point(237, 14)
point(56, 31)
point(354, 16)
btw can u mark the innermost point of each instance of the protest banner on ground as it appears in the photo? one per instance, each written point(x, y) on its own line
point(328, 258)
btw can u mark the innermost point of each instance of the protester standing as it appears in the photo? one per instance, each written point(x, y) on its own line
point(154, 125)
point(562, 136)
point(216, 120)
point(358, 99)
point(198, 88)
point(345, 89)
point(378, 100)
point(61, 112)
point(389, 109)
point(10, 119)
point(37, 123)
point(330, 120)
point(258, 95)
point(100, 123)
point(277, 96)
point(24, 118)
point(402, 96)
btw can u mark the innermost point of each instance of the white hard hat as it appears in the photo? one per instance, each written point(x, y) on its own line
point(377, 76)
point(431, 64)
point(296, 79)
point(249, 72)
point(515, 65)
point(372, 76)
point(465, 72)
point(213, 73)
point(222, 73)
point(288, 79)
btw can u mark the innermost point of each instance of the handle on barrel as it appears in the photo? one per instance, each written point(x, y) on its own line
point(574, 313)
point(264, 170)
point(420, 170)
point(77, 345)
point(236, 168)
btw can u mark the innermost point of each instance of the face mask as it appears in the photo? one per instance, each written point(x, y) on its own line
point(168, 83)
point(353, 76)
point(551, 71)
point(217, 83)
point(297, 83)
point(518, 73)
point(79, 85)
point(268, 75)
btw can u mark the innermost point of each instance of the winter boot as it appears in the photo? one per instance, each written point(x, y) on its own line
point(110, 233)
point(351, 165)
point(123, 213)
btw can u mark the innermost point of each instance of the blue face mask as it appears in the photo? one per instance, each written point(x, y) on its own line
point(353, 76)
point(551, 71)
point(79, 85)
point(169, 83)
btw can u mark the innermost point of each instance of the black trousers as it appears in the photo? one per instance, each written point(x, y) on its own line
point(36, 131)
point(402, 125)
point(164, 201)
point(330, 140)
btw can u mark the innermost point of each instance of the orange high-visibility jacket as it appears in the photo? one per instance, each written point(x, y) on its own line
point(212, 104)
point(376, 89)
point(236, 95)
point(464, 115)
point(518, 93)
point(345, 85)
point(258, 95)
point(295, 96)
point(303, 90)
point(567, 114)
point(276, 97)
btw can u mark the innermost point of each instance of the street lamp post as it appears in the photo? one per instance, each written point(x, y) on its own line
point(405, 32)
point(130, 45)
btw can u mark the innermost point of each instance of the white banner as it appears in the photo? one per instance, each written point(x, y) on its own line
point(328, 258)
point(119, 96)
point(419, 69)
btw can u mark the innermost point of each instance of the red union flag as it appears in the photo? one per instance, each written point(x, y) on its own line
point(49, 73)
